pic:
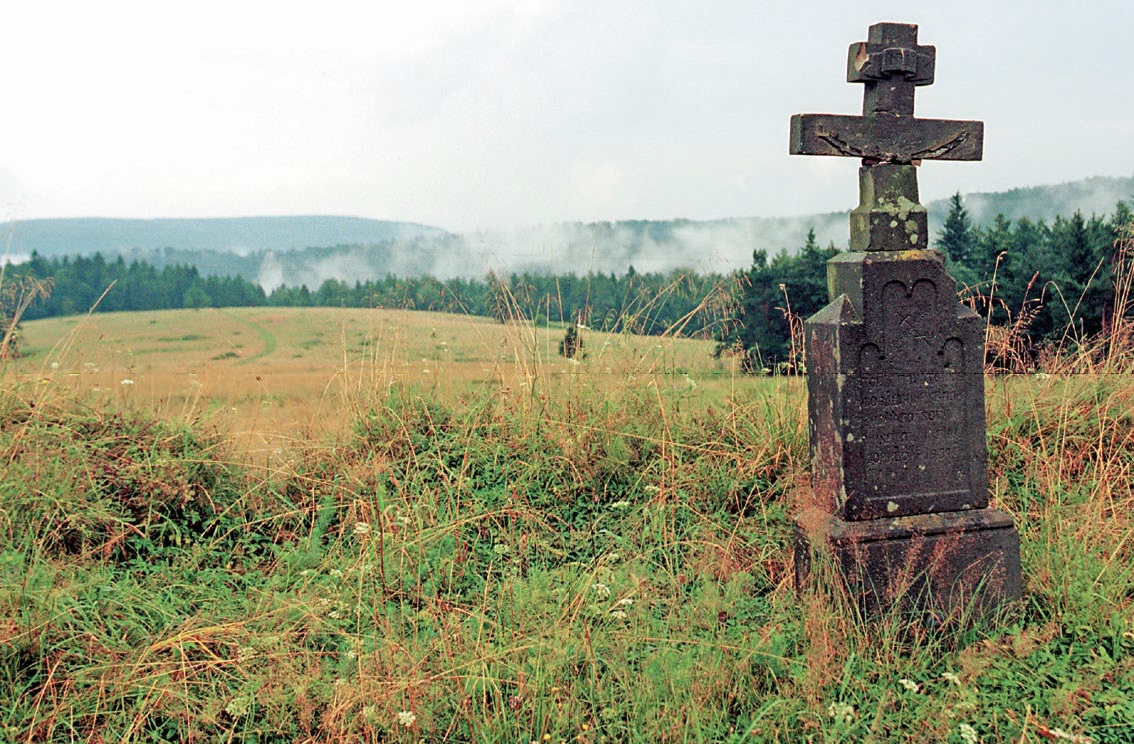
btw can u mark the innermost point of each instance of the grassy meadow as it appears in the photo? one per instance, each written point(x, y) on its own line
point(301, 525)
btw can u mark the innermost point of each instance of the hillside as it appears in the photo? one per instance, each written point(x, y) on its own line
point(273, 251)
point(238, 235)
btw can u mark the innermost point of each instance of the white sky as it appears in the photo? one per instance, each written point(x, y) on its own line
point(495, 113)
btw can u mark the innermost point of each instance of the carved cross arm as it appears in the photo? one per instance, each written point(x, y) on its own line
point(885, 138)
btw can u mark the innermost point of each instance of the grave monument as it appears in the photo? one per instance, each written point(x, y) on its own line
point(895, 369)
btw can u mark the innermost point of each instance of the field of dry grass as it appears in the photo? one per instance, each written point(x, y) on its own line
point(309, 525)
point(271, 376)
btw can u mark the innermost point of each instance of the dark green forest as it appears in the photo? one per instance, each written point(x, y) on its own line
point(1051, 282)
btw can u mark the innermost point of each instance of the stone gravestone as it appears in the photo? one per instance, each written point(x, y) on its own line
point(895, 368)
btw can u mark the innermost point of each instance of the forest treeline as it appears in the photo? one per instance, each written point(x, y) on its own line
point(1044, 280)
point(1043, 284)
point(648, 303)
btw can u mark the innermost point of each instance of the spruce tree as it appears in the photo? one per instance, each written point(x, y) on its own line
point(958, 238)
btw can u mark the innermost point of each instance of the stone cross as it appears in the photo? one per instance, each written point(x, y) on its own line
point(895, 368)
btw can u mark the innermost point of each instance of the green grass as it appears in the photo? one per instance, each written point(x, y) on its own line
point(608, 564)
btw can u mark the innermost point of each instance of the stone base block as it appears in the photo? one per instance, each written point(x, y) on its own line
point(938, 567)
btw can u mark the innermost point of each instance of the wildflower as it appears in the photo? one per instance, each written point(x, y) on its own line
point(602, 590)
point(951, 677)
point(841, 712)
point(362, 528)
point(127, 381)
point(909, 684)
point(406, 718)
point(625, 602)
point(968, 734)
point(239, 705)
point(619, 614)
point(501, 549)
point(55, 365)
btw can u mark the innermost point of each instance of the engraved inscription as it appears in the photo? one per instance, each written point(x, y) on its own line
point(909, 423)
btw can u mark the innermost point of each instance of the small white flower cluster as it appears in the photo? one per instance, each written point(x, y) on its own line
point(618, 611)
point(1061, 735)
point(968, 734)
point(601, 590)
point(909, 684)
point(406, 718)
point(841, 712)
point(362, 528)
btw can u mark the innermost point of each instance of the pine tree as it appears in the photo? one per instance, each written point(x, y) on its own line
point(958, 238)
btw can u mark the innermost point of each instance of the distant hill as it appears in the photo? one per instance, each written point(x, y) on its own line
point(1096, 195)
point(310, 250)
point(240, 235)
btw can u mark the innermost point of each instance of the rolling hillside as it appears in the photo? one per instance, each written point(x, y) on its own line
point(309, 250)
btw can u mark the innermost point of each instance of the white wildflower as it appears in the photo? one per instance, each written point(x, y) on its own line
point(841, 712)
point(239, 705)
point(336, 573)
point(406, 718)
point(55, 365)
point(600, 589)
point(620, 614)
point(625, 602)
point(909, 684)
point(127, 381)
point(968, 734)
point(951, 677)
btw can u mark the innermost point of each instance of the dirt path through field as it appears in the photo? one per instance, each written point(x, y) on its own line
point(265, 335)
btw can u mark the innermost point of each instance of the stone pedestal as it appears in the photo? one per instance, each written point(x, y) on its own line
point(940, 568)
point(898, 459)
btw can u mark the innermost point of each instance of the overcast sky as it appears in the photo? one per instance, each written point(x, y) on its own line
point(495, 113)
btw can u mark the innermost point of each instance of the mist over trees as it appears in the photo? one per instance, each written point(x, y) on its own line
point(647, 303)
point(1047, 282)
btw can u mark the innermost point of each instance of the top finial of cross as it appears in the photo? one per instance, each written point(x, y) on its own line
point(891, 63)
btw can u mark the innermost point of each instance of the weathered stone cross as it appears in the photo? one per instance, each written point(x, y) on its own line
point(895, 380)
